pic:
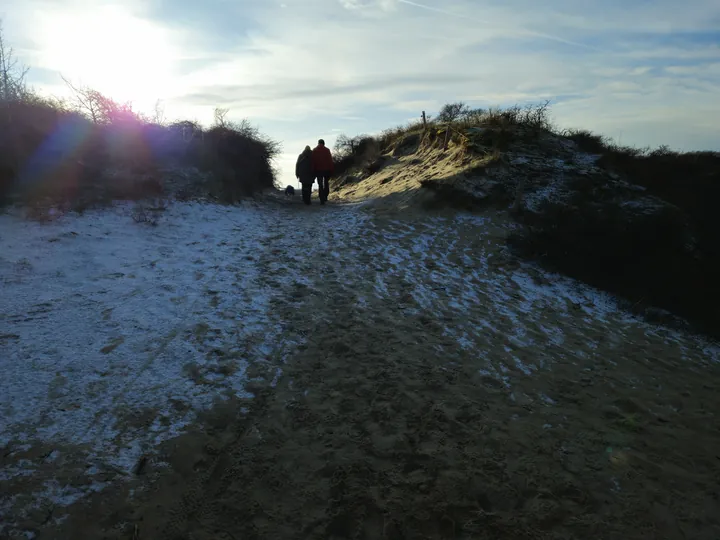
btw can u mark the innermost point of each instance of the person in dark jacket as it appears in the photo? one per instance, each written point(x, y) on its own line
point(323, 168)
point(304, 173)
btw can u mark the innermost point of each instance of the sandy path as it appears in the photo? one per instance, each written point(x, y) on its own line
point(438, 389)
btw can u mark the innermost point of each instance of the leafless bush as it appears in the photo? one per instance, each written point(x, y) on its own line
point(220, 116)
point(354, 152)
point(158, 116)
point(452, 112)
point(534, 116)
point(100, 108)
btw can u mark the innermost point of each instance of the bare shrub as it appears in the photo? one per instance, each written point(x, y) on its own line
point(533, 116)
point(356, 152)
point(101, 109)
point(452, 112)
point(220, 116)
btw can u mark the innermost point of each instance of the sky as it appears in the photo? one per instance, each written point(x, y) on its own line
point(644, 72)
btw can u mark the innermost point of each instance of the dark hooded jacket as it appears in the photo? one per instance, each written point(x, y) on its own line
point(304, 167)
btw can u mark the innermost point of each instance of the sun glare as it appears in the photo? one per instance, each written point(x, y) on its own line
point(122, 56)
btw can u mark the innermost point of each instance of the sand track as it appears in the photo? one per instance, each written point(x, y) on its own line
point(424, 384)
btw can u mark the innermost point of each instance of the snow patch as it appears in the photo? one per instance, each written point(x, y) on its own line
point(120, 331)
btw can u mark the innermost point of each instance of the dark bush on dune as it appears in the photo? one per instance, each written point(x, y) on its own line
point(653, 240)
point(92, 149)
point(689, 180)
point(242, 162)
point(50, 152)
point(40, 145)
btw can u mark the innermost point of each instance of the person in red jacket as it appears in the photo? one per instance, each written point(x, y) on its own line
point(323, 168)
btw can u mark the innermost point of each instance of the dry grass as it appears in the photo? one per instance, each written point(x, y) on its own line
point(356, 153)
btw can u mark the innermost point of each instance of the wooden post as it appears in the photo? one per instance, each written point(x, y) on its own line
point(447, 137)
point(424, 121)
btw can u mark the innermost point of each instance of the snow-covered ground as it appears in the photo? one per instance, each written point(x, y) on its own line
point(115, 334)
point(100, 314)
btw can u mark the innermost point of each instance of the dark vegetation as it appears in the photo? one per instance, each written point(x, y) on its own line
point(641, 223)
point(664, 255)
point(90, 150)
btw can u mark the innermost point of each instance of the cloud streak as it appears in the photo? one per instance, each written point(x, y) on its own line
point(507, 30)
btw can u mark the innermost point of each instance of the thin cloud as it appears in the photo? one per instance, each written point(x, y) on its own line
point(516, 31)
point(384, 5)
point(429, 8)
point(224, 95)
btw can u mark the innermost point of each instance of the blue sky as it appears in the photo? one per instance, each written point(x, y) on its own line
point(644, 72)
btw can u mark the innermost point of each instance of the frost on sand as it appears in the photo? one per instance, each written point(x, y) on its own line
point(113, 334)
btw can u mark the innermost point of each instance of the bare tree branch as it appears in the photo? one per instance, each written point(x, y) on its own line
point(159, 113)
point(220, 117)
point(99, 108)
point(12, 73)
point(85, 100)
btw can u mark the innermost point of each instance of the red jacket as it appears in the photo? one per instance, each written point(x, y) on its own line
point(322, 160)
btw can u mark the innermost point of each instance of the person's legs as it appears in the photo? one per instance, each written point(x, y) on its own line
point(306, 192)
point(324, 186)
point(320, 179)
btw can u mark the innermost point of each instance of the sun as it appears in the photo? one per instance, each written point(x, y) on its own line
point(112, 51)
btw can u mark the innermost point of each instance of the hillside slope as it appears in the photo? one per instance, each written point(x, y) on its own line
point(649, 240)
